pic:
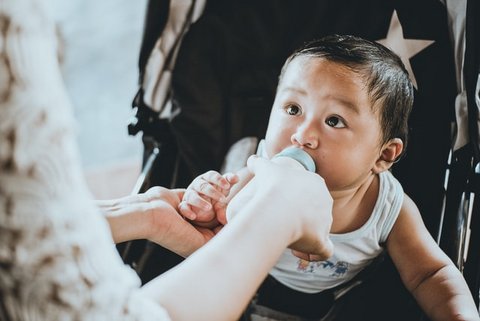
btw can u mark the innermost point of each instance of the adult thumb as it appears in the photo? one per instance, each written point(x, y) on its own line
point(256, 163)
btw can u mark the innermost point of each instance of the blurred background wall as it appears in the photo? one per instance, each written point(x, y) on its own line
point(101, 47)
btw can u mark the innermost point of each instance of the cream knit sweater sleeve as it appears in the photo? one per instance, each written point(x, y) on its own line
point(57, 258)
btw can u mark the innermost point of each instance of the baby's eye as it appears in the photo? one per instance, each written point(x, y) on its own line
point(293, 110)
point(335, 121)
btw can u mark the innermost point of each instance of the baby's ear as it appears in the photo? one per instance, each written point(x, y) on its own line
point(388, 155)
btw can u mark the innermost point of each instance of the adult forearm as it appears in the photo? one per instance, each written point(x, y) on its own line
point(448, 296)
point(152, 215)
point(218, 280)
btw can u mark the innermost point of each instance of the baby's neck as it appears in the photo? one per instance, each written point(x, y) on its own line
point(352, 207)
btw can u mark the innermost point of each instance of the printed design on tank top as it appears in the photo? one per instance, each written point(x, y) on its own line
point(337, 269)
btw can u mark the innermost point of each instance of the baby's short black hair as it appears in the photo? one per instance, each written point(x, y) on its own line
point(386, 77)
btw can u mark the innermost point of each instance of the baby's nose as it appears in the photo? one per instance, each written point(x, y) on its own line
point(304, 137)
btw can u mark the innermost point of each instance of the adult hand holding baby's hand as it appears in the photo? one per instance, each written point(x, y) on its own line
point(204, 201)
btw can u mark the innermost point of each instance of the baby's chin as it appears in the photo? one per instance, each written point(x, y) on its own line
point(320, 173)
point(324, 174)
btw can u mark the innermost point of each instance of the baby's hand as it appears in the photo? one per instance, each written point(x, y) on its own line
point(205, 199)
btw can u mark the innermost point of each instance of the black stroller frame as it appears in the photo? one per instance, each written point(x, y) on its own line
point(455, 222)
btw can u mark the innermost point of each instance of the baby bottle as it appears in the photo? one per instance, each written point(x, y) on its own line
point(292, 156)
point(295, 157)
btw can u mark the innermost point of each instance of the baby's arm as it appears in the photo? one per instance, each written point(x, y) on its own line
point(432, 278)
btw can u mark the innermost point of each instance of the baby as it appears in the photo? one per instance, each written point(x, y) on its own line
point(346, 102)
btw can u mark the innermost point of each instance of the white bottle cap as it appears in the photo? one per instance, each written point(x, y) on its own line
point(300, 156)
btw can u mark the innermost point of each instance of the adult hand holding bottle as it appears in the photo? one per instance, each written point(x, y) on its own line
point(295, 180)
point(281, 182)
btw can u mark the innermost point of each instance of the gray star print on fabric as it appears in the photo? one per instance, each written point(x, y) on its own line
point(405, 48)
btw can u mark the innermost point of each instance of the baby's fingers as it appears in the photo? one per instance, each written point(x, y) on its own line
point(193, 199)
point(307, 256)
point(186, 211)
point(221, 212)
point(212, 187)
point(231, 178)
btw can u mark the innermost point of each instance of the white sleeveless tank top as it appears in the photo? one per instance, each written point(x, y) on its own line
point(353, 251)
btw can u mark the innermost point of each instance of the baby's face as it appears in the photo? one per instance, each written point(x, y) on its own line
point(324, 108)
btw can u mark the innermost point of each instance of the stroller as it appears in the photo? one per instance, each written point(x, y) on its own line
point(208, 74)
